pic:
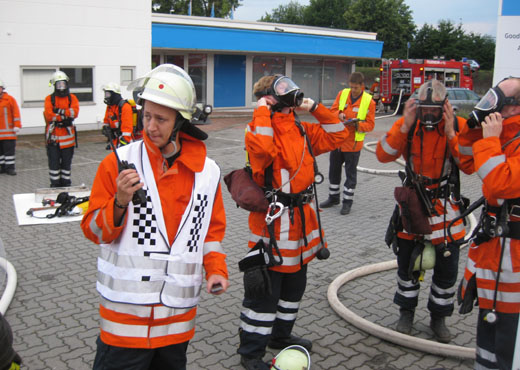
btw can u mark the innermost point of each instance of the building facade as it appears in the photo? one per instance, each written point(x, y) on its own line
point(100, 41)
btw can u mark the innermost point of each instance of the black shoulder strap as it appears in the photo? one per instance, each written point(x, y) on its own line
point(53, 100)
point(120, 106)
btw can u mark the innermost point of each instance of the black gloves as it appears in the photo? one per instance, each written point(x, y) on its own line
point(466, 303)
point(257, 283)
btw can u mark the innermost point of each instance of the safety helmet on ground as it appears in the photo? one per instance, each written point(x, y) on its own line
point(292, 358)
point(112, 86)
point(58, 76)
point(170, 86)
point(377, 79)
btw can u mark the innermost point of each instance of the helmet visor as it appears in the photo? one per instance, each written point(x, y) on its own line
point(431, 113)
point(61, 85)
point(488, 102)
point(284, 85)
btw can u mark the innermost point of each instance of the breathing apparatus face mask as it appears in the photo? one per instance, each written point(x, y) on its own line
point(61, 88)
point(493, 101)
point(286, 93)
point(430, 111)
point(111, 98)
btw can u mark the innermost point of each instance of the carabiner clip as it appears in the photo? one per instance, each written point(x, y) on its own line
point(271, 216)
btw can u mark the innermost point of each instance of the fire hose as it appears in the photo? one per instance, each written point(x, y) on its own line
point(10, 287)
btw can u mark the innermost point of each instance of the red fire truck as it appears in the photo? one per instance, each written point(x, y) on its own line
point(409, 74)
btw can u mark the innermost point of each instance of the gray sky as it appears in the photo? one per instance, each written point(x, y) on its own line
point(479, 16)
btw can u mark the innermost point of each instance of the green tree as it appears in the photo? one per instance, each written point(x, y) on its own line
point(199, 7)
point(291, 13)
point(327, 13)
point(391, 19)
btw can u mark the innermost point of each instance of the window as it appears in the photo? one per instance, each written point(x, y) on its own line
point(267, 66)
point(460, 95)
point(335, 77)
point(81, 82)
point(35, 83)
point(177, 60)
point(307, 75)
point(127, 75)
point(197, 71)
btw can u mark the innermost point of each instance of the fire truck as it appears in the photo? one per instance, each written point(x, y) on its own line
point(407, 75)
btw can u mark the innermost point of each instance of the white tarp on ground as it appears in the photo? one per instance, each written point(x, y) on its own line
point(24, 202)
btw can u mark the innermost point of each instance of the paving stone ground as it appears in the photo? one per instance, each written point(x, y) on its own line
point(54, 311)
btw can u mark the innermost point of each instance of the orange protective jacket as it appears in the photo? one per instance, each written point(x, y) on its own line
point(277, 140)
point(499, 170)
point(124, 123)
point(429, 164)
point(64, 136)
point(9, 117)
point(351, 111)
point(179, 176)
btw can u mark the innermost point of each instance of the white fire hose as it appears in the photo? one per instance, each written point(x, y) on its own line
point(10, 285)
point(393, 336)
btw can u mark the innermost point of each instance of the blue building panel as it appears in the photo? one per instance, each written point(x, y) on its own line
point(252, 41)
point(510, 7)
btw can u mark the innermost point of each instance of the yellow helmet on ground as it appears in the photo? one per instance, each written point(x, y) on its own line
point(292, 358)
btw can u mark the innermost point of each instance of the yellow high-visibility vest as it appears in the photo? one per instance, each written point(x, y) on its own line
point(366, 98)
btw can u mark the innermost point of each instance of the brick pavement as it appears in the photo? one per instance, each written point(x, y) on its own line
point(54, 312)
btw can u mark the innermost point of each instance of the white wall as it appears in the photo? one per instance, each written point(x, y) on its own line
point(103, 34)
point(507, 52)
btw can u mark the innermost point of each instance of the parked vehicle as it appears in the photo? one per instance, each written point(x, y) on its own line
point(459, 97)
point(473, 65)
point(407, 75)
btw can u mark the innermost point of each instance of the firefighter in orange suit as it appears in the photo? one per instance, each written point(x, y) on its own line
point(281, 150)
point(356, 109)
point(427, 137)
point(10, 125)
point(118, 115)
point(159, 226)
point(491, 144)
point(61, 109)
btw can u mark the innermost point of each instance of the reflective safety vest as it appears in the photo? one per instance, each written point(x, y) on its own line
point(366, 98)
point(138, 269)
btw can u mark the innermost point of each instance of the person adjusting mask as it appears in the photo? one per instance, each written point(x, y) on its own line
point(284, 91)
point(430, 105)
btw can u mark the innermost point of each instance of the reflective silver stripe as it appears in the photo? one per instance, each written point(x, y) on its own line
point(286, 316)
point(439, 290)
point(490, 165)
point(72, 113)
point(486, 355)
point(262, 330)
point(441, 301)
point(189, 294)
point(213, 247)
point(478, 366)
point(163, 312)
point(505, 276)
point(94, 228)
point(135, 331)
point(406, 283)
point(266, 131)
point(125, 261)
point(170, 329)
point(387, 148)
point(440, 233)
point(506, 297)
point(16, 119)
point(333, 187)
point(287, 244)
point(129, 286)
point(465, 150)
point(336, 127)
point(408, 293)
point(290, 305)
point(129, 309)
point(258, 316)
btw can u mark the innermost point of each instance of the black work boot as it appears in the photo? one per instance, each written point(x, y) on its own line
point(253, 363)
point(440, 330)
point(331, 201)
point(404, 325)
point(345, 208)
point(280, 343)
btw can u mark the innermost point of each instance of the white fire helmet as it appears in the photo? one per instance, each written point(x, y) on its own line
point(112, 86)
point(170, 86)
point(426, 260)
point(58, 76)
point(292, 358)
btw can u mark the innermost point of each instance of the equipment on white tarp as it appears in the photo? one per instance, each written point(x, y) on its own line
point(64, 205)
